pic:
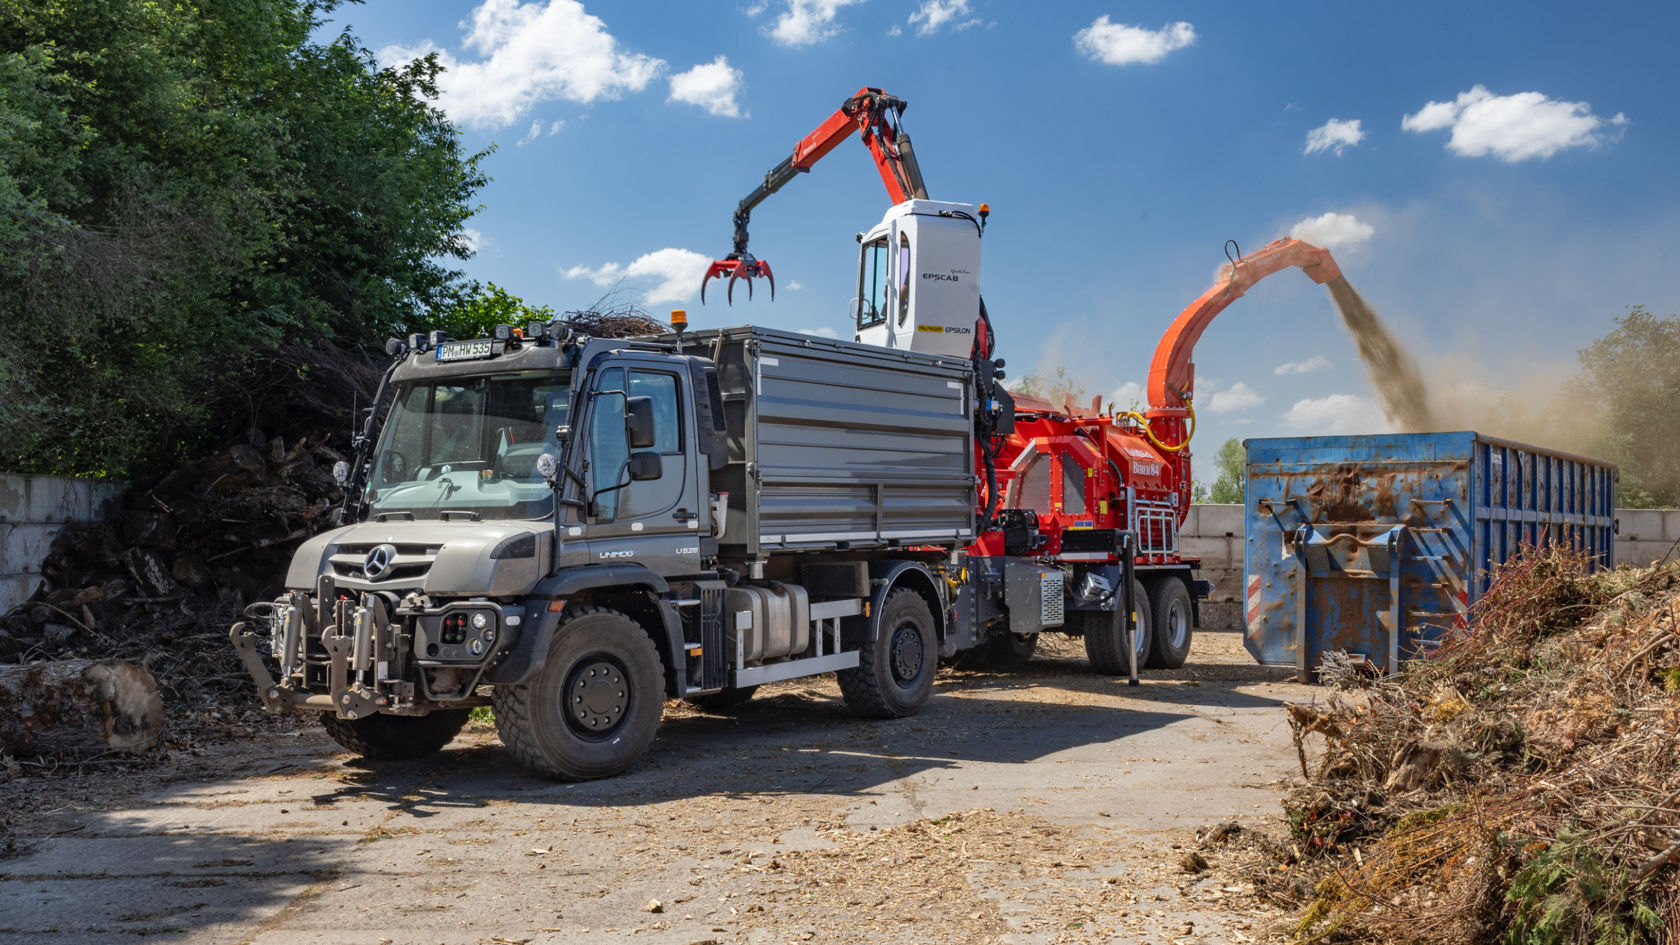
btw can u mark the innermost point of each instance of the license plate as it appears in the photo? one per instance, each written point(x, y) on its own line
point(463, 350)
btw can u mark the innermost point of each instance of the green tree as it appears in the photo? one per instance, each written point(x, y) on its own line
point(1634, 373)
point(183, 188)
point(1231, 464)
point(475, 310)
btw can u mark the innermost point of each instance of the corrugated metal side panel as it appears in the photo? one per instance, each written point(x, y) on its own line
point(844, 443)
point(1530, 495)
point(1348, 536)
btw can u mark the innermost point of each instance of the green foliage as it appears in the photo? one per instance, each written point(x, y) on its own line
point(183, 187)
point(1568, 894)
point(1053, 388)
point(1634, 373)
point(474, 310)
point(1232, 464)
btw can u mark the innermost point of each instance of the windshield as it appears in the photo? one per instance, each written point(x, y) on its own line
point(470, 446)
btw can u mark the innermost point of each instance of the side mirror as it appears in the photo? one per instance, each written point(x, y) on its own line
point(646, 465)
point(638, 421)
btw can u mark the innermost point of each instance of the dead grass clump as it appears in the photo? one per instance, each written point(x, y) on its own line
point(1523, 785)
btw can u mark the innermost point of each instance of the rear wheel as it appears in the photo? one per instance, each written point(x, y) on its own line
point(1169, 600)
point(1007, 649)
point(595, 705)
point(396, 737)
point(894, 675)
point(1105, 635)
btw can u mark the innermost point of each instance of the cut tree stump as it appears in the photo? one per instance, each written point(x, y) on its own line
point(76, 707)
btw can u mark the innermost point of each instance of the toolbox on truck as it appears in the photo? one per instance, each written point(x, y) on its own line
point(1374, 545)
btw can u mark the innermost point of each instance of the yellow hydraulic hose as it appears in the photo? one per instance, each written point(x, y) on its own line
point(1150, 433)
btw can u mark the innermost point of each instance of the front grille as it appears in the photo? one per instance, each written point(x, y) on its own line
point(411, 563)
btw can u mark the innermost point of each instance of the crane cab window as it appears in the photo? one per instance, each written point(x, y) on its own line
point(872, 284)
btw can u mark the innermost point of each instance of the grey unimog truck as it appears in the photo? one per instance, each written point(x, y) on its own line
point(575, 529)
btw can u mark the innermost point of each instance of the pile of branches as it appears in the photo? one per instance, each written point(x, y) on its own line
point(161, 581)
point(1521, 786)
point(615, 321)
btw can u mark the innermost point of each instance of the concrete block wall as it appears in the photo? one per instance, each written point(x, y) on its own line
point(1215, 533)
point(33, 511)
point(1645, 536)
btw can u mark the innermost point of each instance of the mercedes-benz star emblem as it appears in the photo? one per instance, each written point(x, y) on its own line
point(378, 561)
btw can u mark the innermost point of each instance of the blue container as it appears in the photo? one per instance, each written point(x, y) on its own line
point(1375, 545)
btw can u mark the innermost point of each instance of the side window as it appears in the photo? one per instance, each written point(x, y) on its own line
point(608, 450)
point(872, 285)
point(667, 416)
point(903, 277)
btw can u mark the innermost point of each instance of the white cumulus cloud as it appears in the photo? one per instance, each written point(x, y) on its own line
point(1237, 397)
point(824, 332)
point(805, 22)
point(712, 86)
point(663, 276)
point(1512, 127)
point(931, 15)
point(528, 53)
point(1334, 136)
point(1337, 413)
point(1118, 44)
point(1333, 230)
point(1317, 362)
point(472, 239)
point(794, 286)
point(1127, 396)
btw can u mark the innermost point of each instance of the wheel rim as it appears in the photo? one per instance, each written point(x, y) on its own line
point(598, 696)
point(1178, 624)
point(1140, 636)
point(906, 653)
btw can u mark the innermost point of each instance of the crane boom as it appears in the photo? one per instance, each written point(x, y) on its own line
point(874, 115)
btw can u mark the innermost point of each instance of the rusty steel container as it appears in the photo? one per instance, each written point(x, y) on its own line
point(1374, 545)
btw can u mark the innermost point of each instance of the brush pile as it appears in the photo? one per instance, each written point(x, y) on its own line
point(1521, 786)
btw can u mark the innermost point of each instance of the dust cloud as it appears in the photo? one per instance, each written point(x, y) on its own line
point(1540, 404)
point(1393, 370)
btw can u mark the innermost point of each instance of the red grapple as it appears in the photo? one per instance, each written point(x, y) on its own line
point(744, 267)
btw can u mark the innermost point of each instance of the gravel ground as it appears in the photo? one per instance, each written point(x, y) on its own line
point(1037, 805)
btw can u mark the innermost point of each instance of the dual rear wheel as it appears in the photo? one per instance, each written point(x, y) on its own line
point(1164, 628)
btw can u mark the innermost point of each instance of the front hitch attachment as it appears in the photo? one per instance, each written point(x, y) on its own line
point(738, 267)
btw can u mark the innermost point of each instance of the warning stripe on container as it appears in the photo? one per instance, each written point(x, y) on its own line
point(1252, 606)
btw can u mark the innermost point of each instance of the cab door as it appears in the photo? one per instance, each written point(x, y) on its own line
point(654, 521)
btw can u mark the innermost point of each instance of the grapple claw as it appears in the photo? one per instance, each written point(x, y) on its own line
point(739, 268)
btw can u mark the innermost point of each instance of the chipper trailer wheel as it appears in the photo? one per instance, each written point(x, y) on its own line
point(894, 675)
point(1105, 635)
point(1169, 601)
point(396, 737)
point(595, 705)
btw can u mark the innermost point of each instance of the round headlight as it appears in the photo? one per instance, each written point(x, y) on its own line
point(480, 620)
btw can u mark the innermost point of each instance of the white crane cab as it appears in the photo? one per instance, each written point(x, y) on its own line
point(919, 279)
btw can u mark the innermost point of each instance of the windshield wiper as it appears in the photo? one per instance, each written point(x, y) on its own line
point(467, 514)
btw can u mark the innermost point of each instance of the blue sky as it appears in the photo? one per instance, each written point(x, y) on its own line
point(1499, 181)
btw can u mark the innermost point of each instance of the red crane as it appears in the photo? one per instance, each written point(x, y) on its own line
point(873, 114)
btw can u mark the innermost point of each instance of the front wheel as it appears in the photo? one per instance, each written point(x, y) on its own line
point(595, 705)
point(894, 675)
point(396, 737)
